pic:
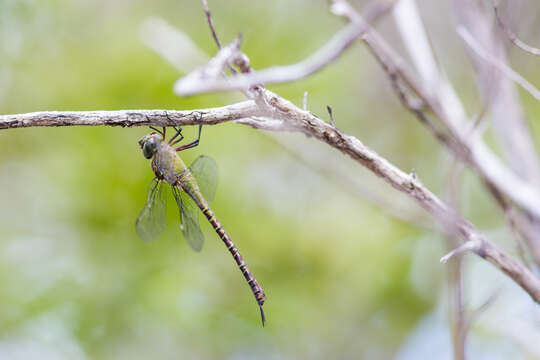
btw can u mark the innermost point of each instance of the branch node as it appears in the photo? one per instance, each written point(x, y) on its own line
point(471, 245)
point(241, 61)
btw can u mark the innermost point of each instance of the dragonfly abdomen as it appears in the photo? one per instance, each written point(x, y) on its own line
point(252, 282)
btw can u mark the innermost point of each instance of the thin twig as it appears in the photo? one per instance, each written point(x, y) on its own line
point(210, 22)
point(417, 106)
point(206, 10)
point(513, 37)
point(502, 67)
point(215, 67)
point(471, 245)
point(331, 114)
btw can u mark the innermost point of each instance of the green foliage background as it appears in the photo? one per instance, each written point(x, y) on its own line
point(76, 281)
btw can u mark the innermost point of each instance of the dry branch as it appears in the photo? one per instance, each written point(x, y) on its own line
point(500, 95)
point(448, 109)
point(309, 124)
point(494, 77)
point(128, 118)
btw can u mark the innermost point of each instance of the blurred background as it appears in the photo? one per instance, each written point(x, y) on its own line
point(350, 267)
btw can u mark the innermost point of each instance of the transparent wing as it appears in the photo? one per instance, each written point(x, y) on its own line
point(151, 221)
point(205, 170)
point(189, 219)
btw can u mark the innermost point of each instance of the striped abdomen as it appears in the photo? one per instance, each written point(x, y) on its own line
point(252, 282)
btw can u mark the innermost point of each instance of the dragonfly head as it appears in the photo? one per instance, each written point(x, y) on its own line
point(149, 144)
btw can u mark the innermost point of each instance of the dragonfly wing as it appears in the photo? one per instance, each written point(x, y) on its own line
point(151, 221)
point(189, 219)
point(205, 171)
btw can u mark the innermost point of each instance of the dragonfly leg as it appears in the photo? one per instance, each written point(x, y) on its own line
point(162, 132)
point(178, 130)
point(194, 142)
point(178, 133)
point(165, 129)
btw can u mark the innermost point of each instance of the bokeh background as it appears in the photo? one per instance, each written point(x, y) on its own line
point(344, 278)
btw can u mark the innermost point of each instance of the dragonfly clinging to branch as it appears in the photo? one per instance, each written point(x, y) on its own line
point(193, 189)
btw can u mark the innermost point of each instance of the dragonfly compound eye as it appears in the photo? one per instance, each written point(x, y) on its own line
point(148, 149)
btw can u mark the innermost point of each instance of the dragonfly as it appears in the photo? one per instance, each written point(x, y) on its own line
point(193, 188)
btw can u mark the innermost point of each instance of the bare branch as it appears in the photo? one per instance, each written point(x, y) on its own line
point(417, 106)
point(210, 72)
point(507, 117)
point(513, 37)
point(500, 93)
point(282, 74)
point(414, 35)
point(506, 110)
point(447, 107)
point(502, 67)
point(410, 185)
point(268, 124)
point(206, 10)
point(127, 118)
